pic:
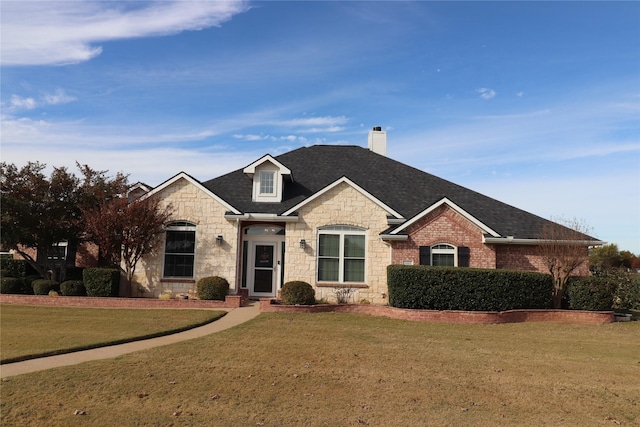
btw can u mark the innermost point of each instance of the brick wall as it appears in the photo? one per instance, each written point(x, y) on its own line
point(444, 225)
point(528, 258)
point(449, 316)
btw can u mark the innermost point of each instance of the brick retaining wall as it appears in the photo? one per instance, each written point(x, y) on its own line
point(231, 301)
point(450, 316)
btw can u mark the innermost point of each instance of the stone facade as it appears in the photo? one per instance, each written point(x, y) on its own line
point(342, 205)
point(191, 204)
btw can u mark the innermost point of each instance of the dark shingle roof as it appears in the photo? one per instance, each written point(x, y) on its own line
point(405, 189)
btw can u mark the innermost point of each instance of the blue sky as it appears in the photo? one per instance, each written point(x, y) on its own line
point(536, 104)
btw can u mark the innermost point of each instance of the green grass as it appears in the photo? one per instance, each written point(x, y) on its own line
point(34, 331)
point(350, 370)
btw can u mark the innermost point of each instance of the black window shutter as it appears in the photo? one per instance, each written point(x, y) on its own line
point(425, 255)
point(463, 256)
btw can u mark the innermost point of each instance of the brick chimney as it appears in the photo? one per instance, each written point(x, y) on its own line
point(378, 141)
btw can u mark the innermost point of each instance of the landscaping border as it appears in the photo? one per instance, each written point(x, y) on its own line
point(268, 305)
point(231, 301)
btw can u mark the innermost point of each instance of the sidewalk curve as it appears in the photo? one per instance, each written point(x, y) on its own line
point(233, 318)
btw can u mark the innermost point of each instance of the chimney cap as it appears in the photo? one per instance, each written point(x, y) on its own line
point(377, 128)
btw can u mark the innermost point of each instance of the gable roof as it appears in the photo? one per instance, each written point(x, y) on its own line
point(406, 190)
point(195, 183)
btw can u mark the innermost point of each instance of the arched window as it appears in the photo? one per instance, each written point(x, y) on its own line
point(445, 255)
point(341, 254)
point(179, 250)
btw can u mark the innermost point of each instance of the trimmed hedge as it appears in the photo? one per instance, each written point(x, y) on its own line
point(44, 286)
point(213, 288)
point(470, 289)
point(591, 293)
point(10, 285)
point(73, 288)
point(101, 282)
point(297, 293)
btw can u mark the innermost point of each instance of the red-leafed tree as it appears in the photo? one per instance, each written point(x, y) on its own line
point(124, 231)
point(564, 248)
point(42, 213)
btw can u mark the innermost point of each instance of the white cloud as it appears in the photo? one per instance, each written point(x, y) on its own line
point(20, 103)
point(486, 93)
point(59, 97)
point(53, 32)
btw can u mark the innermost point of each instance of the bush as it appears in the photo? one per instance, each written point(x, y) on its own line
point(297, 293)
point(16, 267)
point(27, 283)
point(591, 293)
point(213, 287)
point(44, 286)
point(628, 293)
point(73, 288)
point(446, 288)
point(4, 272)
point(10, 285)
point(101, 282)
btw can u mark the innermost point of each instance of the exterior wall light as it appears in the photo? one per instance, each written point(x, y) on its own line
point(219, 240)
point(303, 244)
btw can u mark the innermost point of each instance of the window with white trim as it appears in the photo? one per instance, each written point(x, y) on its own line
point(443, 255)
point(341, 254)
point(267, 183)
point(58, 251)
point(179, 250)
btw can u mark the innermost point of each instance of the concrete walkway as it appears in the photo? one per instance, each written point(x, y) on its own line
point(233, 318)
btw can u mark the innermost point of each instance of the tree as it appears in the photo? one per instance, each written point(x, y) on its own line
point(564, 248)
point(125, 231)
point(41, 212)
point(604, 257)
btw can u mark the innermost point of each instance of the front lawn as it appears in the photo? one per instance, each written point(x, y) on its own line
point(30, 331)
point(336, 369)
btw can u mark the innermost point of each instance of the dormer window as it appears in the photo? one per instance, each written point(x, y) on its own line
point(268, 179)
point(267, 183)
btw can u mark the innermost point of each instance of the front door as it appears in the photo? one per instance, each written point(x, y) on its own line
point(262, 259)
point(264, 274)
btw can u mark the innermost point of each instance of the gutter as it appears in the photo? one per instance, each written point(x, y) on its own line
point(394, 237)
point(510, 240)
point(260, 217)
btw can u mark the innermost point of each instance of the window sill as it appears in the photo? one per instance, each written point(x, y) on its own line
point(342, 285)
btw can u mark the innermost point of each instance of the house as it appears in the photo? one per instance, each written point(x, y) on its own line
point(332, 216)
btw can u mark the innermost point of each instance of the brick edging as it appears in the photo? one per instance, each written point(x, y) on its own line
point(231, 301)
point(449, 316)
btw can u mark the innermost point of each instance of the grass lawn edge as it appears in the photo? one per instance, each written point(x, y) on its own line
point(110, 343)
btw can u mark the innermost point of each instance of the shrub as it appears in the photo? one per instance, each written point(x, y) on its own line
point(73, 288)
point(628, 293)
point(591, 293)
point(10, 285)
point(213, 287)
point(16, 267)
point(44, 286)
point(297, 293)
point(4, 272)
point(446, 288)
point(101, 282)
point(27, 283)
